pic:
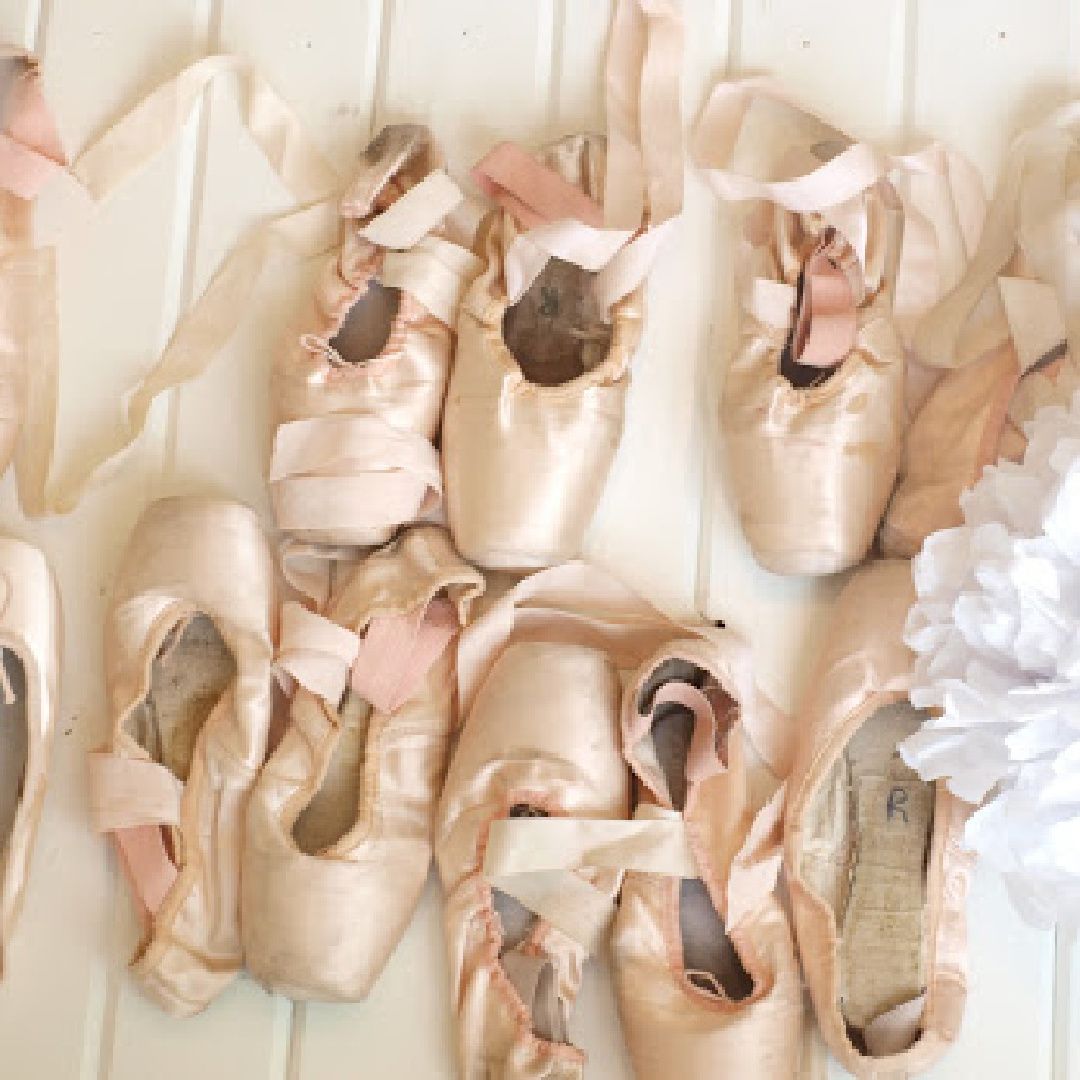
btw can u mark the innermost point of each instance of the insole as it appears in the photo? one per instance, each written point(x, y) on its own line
point(13, 745)
point(532, 976)
point(557, 330)
point(367, 326)
point(882, 950)
point(709, 957)
point(334, 809)
point(190, 673)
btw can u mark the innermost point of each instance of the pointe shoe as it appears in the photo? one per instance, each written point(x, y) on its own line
point(541, 739)
point(708, 984)
point(30, 631)
point(339, 826)
point(359, 389)
point(975, 416)
point(876, 874)
point(812, 412)
point(537, 397)
point(188, 655)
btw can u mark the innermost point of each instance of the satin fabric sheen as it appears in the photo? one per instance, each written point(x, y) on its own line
point(540, 682)
point(354, 480)
point(672, 1026)
point(30, 628)
point(811, 468)
point(865, 664)
point(525, 465)
point(323, 926)
point(187, 557)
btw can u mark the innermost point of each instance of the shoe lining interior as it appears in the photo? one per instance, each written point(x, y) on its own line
point(369, 323)
point(557, 331)
point(533, 976)
point(13, 744)
point(191, 671)
point(334, 808)
point(710, 959)
point(866, 855)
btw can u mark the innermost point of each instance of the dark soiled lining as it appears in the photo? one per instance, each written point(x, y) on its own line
point(14, 745)
point(557, 331)
point(368, 324)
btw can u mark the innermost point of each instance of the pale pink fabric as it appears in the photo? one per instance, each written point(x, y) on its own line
point(187, 557)
point(354, 454)
point(540, 679)
point(863, 665)
point(323, 925)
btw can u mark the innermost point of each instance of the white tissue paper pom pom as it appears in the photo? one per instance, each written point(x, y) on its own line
point(996, 633)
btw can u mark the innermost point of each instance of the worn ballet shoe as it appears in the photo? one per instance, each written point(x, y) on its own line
point(708, 984)
point(339, 826)
point(30, 632)
point(877, 877)
point(539, 691)
point(359, 388)
point(188, 670)
point(976, 414)
point(540, 739)
point(812, 411)
point(539, 384)
point(812, 408)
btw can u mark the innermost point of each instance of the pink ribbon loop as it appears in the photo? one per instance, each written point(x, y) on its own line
point(30, 150)
point(827, 321)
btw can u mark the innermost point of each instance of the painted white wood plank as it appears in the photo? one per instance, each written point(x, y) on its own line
point(983, 71)
point(326, 70)
point(648, 525)
point(69, 956)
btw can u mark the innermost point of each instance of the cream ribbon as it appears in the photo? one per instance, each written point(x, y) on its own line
point(434, 273)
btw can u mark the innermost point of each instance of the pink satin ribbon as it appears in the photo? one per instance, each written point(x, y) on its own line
point(30, 150)
point(826, 324)
point(385, 666)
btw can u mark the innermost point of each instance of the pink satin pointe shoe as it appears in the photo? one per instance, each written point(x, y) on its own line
point(975, 416)
point(704, 963)
point(540, 739)
point(877, 878)
point(30, 633)
point(812, 411)
point(359, 389)
point(536, 403)
point(188, 670)
point(339, 826)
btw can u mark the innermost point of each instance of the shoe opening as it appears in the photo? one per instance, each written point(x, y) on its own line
point(710, 959)
point(367, 327)
point(532, 972)
point(13, 742)
point(865, 855)
point(333, 810)
point(557, 331)
point(188, 676)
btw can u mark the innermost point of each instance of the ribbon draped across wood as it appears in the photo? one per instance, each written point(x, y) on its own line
point(435, 272)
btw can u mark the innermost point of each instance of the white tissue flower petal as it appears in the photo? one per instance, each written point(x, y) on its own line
point(996, 634)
